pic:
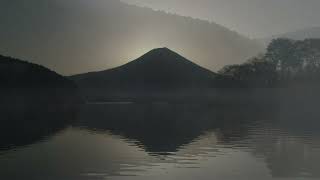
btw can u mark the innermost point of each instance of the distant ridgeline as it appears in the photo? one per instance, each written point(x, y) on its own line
point(162, 72)
point(22, 74)
point(18, 76)
point(34, 100)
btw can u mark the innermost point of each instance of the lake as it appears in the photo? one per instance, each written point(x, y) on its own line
point(172, 141)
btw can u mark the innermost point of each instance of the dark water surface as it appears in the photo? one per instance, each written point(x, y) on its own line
point(173, 141)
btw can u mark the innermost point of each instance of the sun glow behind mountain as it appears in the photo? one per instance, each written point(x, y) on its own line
point(76, 36)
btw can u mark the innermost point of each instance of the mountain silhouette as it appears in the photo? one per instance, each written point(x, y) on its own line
point(35, 102)
point(16, 73)
point(24, 82)
point(158, 70)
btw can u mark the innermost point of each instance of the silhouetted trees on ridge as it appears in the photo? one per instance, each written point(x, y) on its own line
point(256, 71)
point(286, 61)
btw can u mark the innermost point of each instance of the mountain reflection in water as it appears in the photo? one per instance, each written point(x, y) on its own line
point(173, 141)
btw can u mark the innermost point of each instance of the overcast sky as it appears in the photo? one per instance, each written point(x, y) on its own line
point(254, 18)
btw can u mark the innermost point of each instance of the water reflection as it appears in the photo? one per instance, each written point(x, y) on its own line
point(26, 123)
point(279, 137)
point(173, 141)
point(163, 127)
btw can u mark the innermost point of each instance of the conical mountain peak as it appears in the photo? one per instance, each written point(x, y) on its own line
point(159, 68)
point(159, 53)
point(162, 50)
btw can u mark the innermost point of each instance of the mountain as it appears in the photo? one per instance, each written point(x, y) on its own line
point(24, 82)
point(77, 36)
point(34, 101)
point(307, 33)
point(159, 70)
point(156, 69)
point(16, 74)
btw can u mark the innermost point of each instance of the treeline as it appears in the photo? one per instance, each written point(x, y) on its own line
point(286, 62)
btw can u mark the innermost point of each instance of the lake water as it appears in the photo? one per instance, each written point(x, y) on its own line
point(172, 141)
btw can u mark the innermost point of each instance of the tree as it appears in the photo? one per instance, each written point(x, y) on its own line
point(256, 72)
point(229, 70)
point(283, 53)
point(309, 51)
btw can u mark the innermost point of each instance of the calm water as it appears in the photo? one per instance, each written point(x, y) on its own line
point(172, 141)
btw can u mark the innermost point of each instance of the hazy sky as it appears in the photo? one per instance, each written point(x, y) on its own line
point(254, 18)
point(76, 36)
